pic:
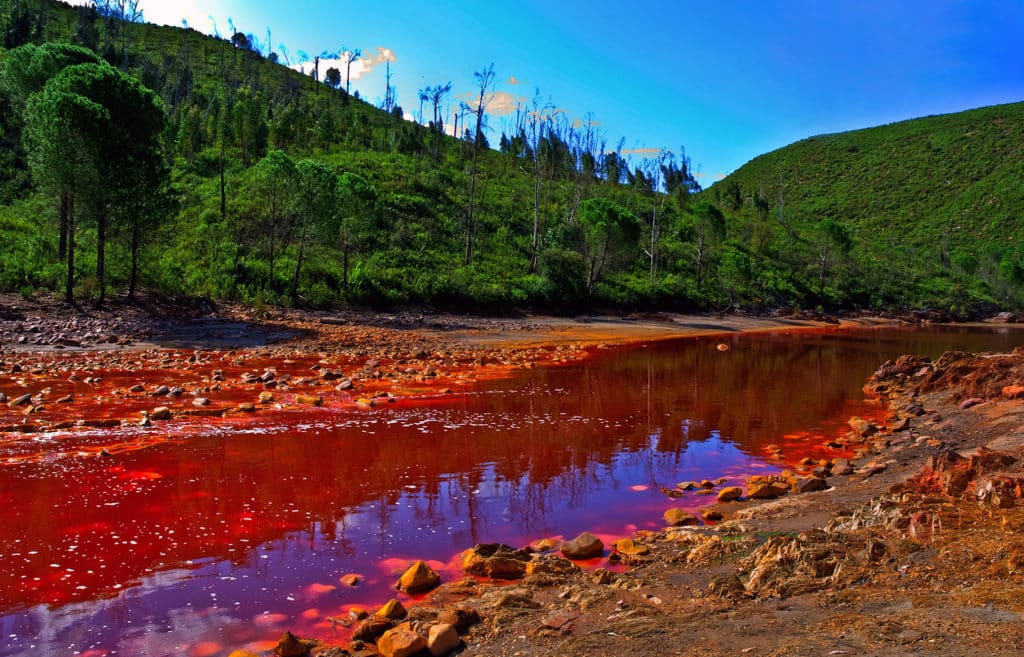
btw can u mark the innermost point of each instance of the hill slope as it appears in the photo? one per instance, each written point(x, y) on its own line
point(939, 196)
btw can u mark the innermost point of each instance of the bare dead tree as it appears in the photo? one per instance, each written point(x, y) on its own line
point(485, 79)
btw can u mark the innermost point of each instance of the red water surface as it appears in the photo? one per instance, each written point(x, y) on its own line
point(204, 535)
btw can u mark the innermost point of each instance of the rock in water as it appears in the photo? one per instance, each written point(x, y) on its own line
point(679, 518)
point(584, 546)
point(292, 646)
point(392, 609)
point(496, 561)
point(730, 494)
point(418, 579)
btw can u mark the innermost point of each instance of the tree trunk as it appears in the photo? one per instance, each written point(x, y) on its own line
point(133, 278)
point(223, 195)
point(62, 249)
point(69, 284)
point(298, 269)
point(536, 219)
point(101, 248)
point(469, 215)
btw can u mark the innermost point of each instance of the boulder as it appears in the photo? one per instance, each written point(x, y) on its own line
point(679, 518)
point(730, 494)
point(810, 484)
point(442, 639)
point(551, 564)
point(711, 515)
point(862, 426)
point(495, 561)
point(584, 546)
point(372, 628)
point(766, 488)
point(392, 609)
point(420, 578)
point(1013, 392)
point(292, 646)
point(631, 548)
point(401, 641)
point(461, 618)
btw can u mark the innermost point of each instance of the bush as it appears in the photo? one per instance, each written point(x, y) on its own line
point(565, 275)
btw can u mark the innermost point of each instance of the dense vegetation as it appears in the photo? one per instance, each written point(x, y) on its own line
point(240, 178)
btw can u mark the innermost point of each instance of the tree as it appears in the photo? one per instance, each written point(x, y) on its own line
point(315, 207)
point(831, 242)
point(706, 228)
point(120, 138)
point(26, 71)
point(272, 183)
point(356, 218)
point(485, 79)
point(610, 232)
point(350, 56)
point(249, 124)
point(62, 134)
point(333, 77)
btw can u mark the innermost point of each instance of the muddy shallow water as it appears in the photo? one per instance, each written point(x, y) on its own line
point(222, 533)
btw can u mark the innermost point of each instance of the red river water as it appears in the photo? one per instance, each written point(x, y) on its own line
point(218, 534)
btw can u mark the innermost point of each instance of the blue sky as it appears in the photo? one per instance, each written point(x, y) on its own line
point(727, 80)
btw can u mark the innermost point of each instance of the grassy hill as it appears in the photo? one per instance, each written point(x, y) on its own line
point(939, 201)
point(917, 214)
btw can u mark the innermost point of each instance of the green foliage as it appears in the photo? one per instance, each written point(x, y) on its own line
point(286, 190)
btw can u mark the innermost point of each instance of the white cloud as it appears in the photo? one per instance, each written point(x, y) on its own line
point(170, 12)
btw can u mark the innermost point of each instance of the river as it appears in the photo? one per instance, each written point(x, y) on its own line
point(226, 537)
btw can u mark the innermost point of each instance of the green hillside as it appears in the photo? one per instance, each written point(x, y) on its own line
point(265, 185)
point(934, 206)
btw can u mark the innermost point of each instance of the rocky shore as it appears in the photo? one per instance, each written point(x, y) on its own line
point(915, 545)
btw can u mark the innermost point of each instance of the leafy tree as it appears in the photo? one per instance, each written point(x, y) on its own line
point(63, 132)
point(273, 184)
point(122, 143)
point(831, 242)
point(249, 125)
point(333, 77)
point(315, 207)
point(610, 232)
point(705, 228)
point(357, 217)
point(26, 69)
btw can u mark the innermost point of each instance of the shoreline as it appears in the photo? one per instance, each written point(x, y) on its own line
point(562, 609)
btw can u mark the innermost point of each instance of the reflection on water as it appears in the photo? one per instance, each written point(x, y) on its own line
point(226, 539)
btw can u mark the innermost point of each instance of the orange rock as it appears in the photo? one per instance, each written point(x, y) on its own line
point(401, 641)
point(679, 518)
point(730, 494)
point(630, 547)
point(392, 609)
point(418, 579)
point(584, 546)
point(1013, 392)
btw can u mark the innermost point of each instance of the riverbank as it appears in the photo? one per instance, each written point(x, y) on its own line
point(765, 579)
point(916, 545)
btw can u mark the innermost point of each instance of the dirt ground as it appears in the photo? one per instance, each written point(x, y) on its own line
point(916, 545)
